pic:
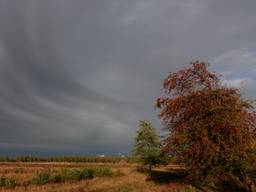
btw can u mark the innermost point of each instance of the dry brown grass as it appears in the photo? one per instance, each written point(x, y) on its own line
point(128, 179)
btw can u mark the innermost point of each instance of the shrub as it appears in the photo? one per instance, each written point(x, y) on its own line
point(6, 182)
point(70, 175)
point(56, 178)
point(41, 178)
point(102, 171)
point(87, 173)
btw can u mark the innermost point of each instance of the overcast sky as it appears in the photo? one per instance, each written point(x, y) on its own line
point(77, 75)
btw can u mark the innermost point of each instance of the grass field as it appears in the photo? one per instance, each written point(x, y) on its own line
point(71, 177)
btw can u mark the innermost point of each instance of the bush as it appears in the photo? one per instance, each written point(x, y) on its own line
point(41, 178)
point(102, 171)
point(70, 175)
point(56, 178)
point(87, 173)
point(6, 182)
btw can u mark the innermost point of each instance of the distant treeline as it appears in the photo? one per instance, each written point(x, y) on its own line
point(69, 159)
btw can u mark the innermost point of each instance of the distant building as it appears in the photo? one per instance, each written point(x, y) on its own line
point(120, 155)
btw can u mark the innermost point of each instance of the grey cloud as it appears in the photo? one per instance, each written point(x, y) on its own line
point(76, 76)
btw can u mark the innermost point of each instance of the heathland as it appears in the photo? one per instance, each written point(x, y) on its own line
point(119, 175)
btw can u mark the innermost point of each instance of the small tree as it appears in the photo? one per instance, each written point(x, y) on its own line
point(211, 128)
point(147, 145)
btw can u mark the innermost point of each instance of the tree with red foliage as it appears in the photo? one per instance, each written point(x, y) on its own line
point(211, 129)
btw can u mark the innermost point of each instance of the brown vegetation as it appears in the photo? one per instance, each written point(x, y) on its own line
point(211, 129)
point(125, 178)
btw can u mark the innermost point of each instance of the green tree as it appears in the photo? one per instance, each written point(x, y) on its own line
point(147, 145)
point(211, 128)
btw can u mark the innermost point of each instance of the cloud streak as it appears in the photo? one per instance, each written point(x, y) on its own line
point(75, 77)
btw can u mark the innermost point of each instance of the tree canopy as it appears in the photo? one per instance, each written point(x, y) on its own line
point(147, 145)
point(211, 128)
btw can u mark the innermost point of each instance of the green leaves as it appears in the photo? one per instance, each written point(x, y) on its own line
point(147, 145)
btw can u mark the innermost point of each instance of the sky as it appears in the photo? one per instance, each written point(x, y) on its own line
point(77, 76)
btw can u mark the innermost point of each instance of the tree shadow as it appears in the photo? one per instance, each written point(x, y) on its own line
point(174, 177)
point(164, 177)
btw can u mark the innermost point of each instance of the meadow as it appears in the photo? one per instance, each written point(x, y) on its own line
point(116, 176)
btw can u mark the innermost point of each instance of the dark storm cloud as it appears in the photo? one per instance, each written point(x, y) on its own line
point(76, 76)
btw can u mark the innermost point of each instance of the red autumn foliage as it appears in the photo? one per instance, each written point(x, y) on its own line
point(210, 127)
